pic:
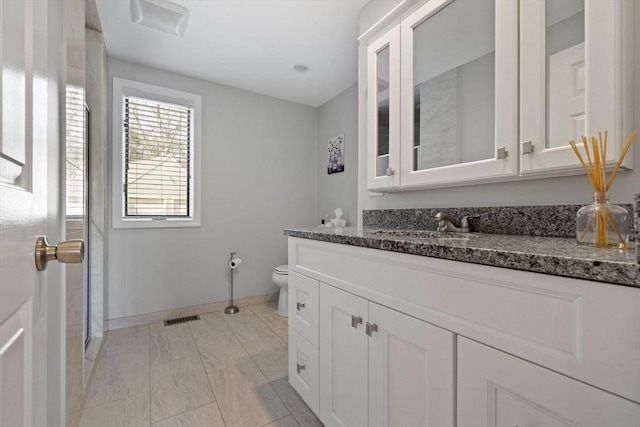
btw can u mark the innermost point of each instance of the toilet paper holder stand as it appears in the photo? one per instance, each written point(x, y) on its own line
point(231, 309)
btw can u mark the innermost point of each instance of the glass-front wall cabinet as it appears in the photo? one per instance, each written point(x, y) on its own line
point(487, 90)
point(383, 110)
point(571, 80)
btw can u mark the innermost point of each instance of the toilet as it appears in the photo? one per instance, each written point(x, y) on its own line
point(281, 278)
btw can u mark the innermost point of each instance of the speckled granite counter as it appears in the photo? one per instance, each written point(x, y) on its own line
point(551, 255)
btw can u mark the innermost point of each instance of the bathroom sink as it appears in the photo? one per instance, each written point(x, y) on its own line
point(424, 234)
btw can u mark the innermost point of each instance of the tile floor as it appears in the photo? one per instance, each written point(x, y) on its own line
point(221, 370)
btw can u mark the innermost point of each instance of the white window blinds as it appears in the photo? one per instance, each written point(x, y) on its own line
point(157, 157)
point(75, 152)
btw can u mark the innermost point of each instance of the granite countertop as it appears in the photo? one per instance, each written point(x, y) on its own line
point(551, 255)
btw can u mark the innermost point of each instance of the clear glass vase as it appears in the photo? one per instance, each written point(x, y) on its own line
point(602, 224)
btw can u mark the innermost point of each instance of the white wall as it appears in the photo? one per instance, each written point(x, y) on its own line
point(339, 116)
point(549, 191)
point(259, 163)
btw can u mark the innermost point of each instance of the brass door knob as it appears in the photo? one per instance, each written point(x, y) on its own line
point(69, 252)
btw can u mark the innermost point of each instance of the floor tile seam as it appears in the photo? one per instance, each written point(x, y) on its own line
point(104, 357)
point(279, 398)
point(217, 401)
point(204, 369)
point(232, 330)
point(88, 406)
point(106, 353)
point(183, 412)
point(285, 403)
point(196, 353)
point(200, 337)
point(281, 418)
point(110, 402)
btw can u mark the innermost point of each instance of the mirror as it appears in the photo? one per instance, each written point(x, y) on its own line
point(565, 71)
point(382, 96)
point(454, 85)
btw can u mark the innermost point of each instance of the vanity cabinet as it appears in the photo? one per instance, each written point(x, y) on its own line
point(496, 389)
point(469, 91)
point(412, 340)
point(380, 367)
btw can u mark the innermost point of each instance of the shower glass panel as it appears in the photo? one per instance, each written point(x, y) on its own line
point(77, 198)
point(454, 85)
point(565, 71)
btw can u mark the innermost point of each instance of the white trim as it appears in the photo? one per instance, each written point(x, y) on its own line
point(132, 88)
point(388, 18)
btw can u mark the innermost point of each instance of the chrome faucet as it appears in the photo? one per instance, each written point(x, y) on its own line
point(445, 223)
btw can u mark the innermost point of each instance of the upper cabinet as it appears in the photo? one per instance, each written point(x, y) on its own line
point(571, 71)
point(383, 111)
point(470, 91)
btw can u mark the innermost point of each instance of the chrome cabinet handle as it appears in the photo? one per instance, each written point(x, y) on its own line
point(69, 252)
point(371, 328)
point(300, 367)
point(300, 305)
point(355, 321)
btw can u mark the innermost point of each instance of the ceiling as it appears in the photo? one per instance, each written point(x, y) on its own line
point(249, 44)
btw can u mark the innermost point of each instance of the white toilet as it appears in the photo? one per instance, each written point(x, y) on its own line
point(281, 278)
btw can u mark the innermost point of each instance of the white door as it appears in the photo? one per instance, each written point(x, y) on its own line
point(496, 389)
point(566, 96)
point(411, 371)
point(27, 119)
point(343, 358)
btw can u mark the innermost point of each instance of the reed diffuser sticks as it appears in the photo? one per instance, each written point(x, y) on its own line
point(600, 218)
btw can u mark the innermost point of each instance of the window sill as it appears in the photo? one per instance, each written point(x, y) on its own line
point(154, 223)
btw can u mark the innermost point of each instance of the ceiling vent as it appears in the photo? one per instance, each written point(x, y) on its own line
point(161, 15)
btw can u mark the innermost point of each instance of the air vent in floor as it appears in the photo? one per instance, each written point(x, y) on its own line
point(181, 320)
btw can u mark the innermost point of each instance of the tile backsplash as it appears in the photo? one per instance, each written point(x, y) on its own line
point(549, 221)
point(636, 216)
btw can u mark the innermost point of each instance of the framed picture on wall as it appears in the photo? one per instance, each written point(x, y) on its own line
point(336, 154)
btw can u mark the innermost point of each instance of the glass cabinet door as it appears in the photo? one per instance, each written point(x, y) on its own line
point(562, 67)
point(383, 111)
point(459, 79)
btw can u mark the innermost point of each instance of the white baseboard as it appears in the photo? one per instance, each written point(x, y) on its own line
point(159, 316)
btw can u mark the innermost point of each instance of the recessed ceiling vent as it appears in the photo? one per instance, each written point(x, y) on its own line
point(161, 15)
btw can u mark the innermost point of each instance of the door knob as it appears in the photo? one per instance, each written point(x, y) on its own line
point(69, 252)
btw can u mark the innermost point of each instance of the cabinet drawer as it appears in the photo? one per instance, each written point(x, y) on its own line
point(303, 306)
point(495, 388)
point(303, 370)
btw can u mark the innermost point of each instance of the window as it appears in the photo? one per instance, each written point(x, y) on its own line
point(75, 152)
point(156, 156)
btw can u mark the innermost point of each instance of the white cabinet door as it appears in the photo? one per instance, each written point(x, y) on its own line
point(343, 358)
point(303, 369)
point(459, 93)
point(383, 111)
point(303, 306)
point(571, 80)
point(497, 389)
point(411, 371)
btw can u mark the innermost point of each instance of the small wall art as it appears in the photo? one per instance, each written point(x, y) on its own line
point(336, 154)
